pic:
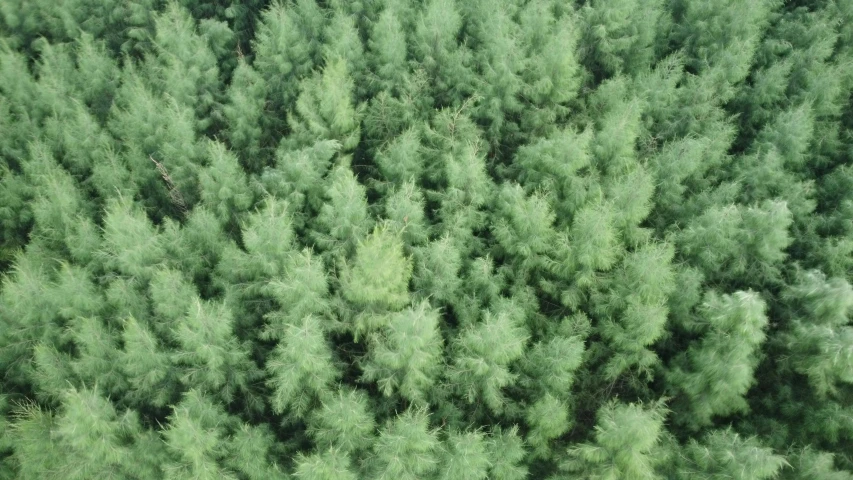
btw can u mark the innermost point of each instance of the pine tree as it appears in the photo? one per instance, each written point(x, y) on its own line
point(547, 419)
point(615, 40)
point(725, 454)
point(523, 225)
point(196, 436)
point(326, 109)
point(715, 373)
point(435, 46)
point(343, 219)
point(251, 453)
point(498, 60)
point(553, 78)
point(405, 211)
point(328, 465)
point(627, 444)
point(386, 50)
point(132, 246)
point(556, 164)
point(405, 356)
point(738, 242)
point(159, 138)
point(819, 340)
point(464, 455)
point(147, 367)
point(507, 454)
point(211, 358)
point(634, 311)
point(720, 37)
point(406, 448)
point(244, 114)
point(184, 67)
point(344, 422)
point(286, 48)
point(298, 175)
point(378, 277)
point(302, 291)
point(437, 271)
point(401, 160)
point(301, 368)
point(224, 187)
point(482, 355)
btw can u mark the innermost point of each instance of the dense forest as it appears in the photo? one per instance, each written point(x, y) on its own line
point(426, 239)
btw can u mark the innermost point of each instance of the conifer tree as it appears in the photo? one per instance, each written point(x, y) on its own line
point(328, 465)
point(302, 291)
point(725, 454)
point(159, 137)
point(615, 40)
point(132, 246)
point(386, 49)
point(553, 78)
point(196, 439)
point(498, 60)
point(378, 278)
point(147, 367)
point(405, 356)
point(406, 448)
point(301, 368)
point(344, 422)
point(555, 164)
point(523, 227)
point(286, 48)
point(343, 219)
point(464, 455)
point(437, 268)
point(184, 67)
point(820, 340)
point(405, 210)
point(482, 355)
point(251, 453)
point(297, 175)
point(547, 419)
point(244, 114)
point(507, 454)
point(211, 358)
point(720, 37)
point(634, 310)
point(223, 184)
point(326, 109)
point(435, 46)
point(714, 374)
point(627, 444)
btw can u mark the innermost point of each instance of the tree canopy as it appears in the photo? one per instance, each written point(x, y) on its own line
point(441, 239)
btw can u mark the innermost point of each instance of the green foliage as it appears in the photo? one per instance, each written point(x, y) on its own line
point(328, 465)
point(379, 275)
point(627, 440)
point(483, 353)
point(343, 219)
point(820, 340)
point(464, 456)
point(223, 184)
point(615, 39)
point(301, 368)
point(725, 454)
point(406, 448)
point(716, 372)
point(344, 422)
point(444, 239)
point(325, 109)
point(405, 356)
